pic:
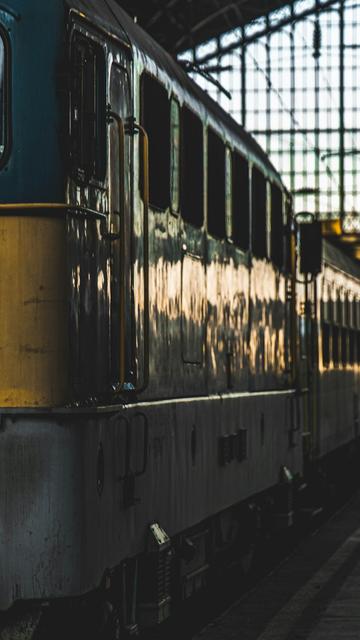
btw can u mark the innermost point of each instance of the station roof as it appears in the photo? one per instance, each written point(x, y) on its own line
point(182, 24)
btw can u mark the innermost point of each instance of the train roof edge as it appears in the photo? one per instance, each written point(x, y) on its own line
point(115, 20)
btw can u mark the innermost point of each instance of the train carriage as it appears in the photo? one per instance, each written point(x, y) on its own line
point(152, 414)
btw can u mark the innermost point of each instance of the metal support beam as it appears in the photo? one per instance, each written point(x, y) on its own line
point(342, 111)
point(246, 40)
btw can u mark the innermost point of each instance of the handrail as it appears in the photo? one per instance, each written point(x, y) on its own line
point(112, 115)
point(56, 206)
point(145, 176)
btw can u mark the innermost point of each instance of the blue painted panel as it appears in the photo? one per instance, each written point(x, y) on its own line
point(34, 171)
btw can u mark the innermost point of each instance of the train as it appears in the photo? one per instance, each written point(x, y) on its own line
point(176, 370)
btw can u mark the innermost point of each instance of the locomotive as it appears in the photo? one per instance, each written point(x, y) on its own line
point(169, 380)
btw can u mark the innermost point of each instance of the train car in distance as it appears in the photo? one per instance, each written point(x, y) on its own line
point(167, 375)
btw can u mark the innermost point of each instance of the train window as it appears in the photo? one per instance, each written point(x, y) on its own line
point(259, 208)
point(353, 313)
point(228, 193)
point(155, 117)
point(339, 308)
point(216, 185)
point(326, 344)
point(4, 95)
point(88, 110)
point(175, 156)
point(327, 305)
point(352, 347)
point(277, 227)
point(344, 349)
point(192, 178)
point(240, 207)
point(289, 239)
point(346, 310)
point(335, 345)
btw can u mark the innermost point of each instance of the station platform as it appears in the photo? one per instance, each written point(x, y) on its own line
point(313, 595)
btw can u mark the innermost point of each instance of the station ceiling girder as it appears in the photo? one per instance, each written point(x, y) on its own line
point(183, 24)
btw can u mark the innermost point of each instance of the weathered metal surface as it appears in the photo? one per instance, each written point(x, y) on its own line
point(33, 322)
point(58, 533)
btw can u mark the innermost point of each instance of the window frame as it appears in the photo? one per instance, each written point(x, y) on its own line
point(276, 251)
point(77, 172)
point(175, 210)
point(7, 97)
point(240, 171)
point(344, 347)
point(259, 219)
point(216, 221)
point(188, 112)
point(352, 347)
point(164, 193)
point(229, 194)
point(335, 346)
point(326, 343)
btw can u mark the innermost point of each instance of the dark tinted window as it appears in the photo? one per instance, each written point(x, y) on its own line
point(277, 227)
point(192, 180)
point(155, 117)
point(352, 346)
point(339, 309)
point(326, 344)
point(258, 214)
point(216, 185)
point(4, 95)
point(344, 354)
point(88, 110)
point(353, 313)
point(347, 303)
point(335, 345)
point(240, 193)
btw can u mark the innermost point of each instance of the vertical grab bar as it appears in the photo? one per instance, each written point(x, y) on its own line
point(121, 236)
point(145, 186)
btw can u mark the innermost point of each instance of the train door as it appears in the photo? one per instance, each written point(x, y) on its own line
point(120, 224)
